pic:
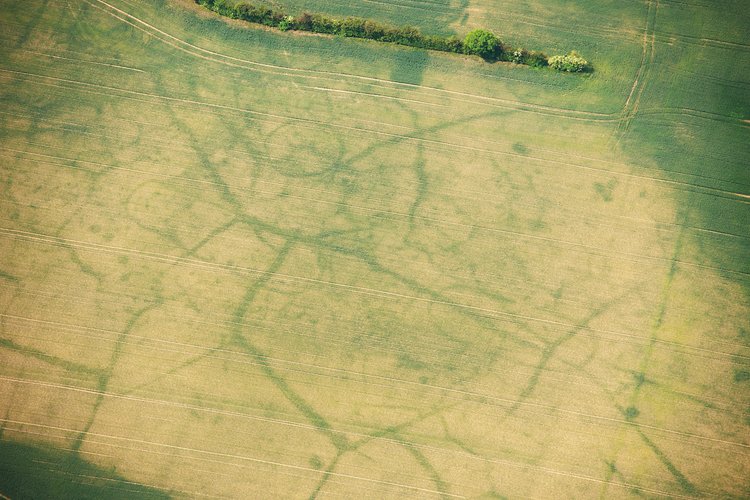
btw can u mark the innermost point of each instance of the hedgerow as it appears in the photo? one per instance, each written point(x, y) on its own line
point(482, 43)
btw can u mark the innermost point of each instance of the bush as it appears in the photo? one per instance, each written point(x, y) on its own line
point(403, 35)
point(536, 59)
point(288, 23)
point(453, 44)
point(533, 58)
point(256, 14)
point(352, 27)
point(304, 22)
point(518, 56)
point(373, 30)
point(572, 63)
point(484, 44)
point(323, 24)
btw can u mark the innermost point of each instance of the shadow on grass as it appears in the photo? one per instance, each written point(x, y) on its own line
point(37, 472)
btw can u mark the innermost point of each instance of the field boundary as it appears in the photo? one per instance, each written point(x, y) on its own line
point(478, 42)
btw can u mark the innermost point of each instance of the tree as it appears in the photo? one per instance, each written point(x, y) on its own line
point(484, 44)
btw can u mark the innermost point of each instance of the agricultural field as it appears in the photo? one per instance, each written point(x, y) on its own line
point(243, 263)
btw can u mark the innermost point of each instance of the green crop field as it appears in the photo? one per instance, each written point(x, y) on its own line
point(238, 262)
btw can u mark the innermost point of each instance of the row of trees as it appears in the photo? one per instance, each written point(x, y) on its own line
point(482, 43)
point(488, 46)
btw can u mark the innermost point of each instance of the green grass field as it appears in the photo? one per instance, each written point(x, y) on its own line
point(242, 263)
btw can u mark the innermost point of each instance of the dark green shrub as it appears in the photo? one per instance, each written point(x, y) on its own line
point(220, 7)
point(536, 59)
point(260, 14)
point(323, 24)
point(404, 35)
point(274, 19)
point(454, 44)
point(304, 22)
point(522, 56)
point(484, 44)
point(372, 30)
point(252, 13)
point(432, 42)
point(352, 27)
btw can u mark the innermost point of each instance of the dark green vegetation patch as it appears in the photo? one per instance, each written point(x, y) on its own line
point(28, 471)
